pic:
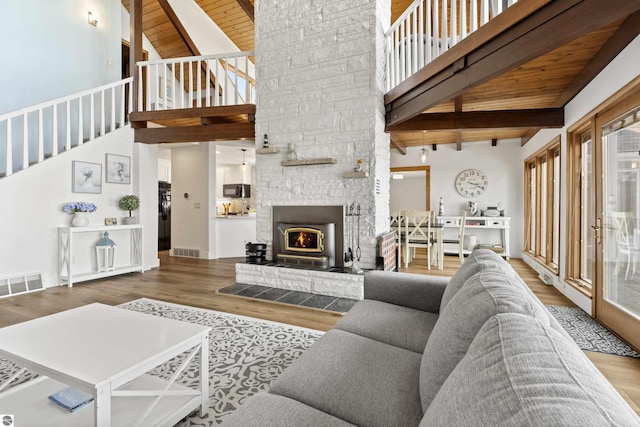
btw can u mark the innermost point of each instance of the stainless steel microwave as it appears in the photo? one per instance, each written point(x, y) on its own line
point(236, 191)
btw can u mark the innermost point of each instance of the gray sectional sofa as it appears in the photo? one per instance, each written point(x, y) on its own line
point(478, 349)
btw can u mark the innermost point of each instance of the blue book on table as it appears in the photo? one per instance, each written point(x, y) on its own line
point(71, 399)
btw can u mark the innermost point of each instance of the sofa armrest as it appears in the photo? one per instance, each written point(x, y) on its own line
point(409, 290)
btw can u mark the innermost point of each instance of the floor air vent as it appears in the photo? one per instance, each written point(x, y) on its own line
point(189, 253)
point(20, 284)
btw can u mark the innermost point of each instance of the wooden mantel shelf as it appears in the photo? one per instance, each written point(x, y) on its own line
point(308, 162)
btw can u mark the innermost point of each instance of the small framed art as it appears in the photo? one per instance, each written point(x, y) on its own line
point(118, 169)
point(111, 221)
point(87, 177)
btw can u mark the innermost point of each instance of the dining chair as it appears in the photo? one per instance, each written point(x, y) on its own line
point(397, 225)
point(460, 240)
point(622, 223)
point(418, 234)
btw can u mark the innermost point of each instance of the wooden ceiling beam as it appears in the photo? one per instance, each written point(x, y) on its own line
point(248, 8)
point(548, 28)
point(618, 41)
point(546, 117)
point(215, 132)
point(527, 137)
point(398, 145)
point(168, 10)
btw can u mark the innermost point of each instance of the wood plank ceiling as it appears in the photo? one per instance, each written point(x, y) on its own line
point(544, 83)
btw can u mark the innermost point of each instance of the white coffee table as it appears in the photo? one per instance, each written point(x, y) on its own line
point(105, 351)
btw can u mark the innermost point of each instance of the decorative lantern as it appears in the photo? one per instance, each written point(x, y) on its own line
point(105, 250)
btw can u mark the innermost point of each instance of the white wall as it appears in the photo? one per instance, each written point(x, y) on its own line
point(506, 179)
point(407, 194)
point(45, 42)
point(192, 218)
point(621, 71)
point(32, 202)
point(145, 185)
point(55, 52)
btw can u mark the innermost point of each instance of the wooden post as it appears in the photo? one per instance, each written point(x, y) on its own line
point(135, 49)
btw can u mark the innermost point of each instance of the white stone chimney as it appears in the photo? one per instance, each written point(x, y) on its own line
point(320, 69)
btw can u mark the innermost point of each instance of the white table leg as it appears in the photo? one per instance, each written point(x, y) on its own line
point(103, 407)
point(204, 375)
point(440, 249)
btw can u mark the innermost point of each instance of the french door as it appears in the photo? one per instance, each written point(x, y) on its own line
point(617, 223)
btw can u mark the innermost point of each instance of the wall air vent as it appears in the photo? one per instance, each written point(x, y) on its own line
point(188, 253)
point(16, 285)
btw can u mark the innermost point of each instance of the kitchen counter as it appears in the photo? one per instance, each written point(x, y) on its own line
point(233, 232)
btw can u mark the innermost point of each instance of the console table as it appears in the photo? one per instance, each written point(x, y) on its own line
point(66, 246)
point(475, 223)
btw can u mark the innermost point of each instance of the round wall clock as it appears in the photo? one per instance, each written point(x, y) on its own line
point(471, 183)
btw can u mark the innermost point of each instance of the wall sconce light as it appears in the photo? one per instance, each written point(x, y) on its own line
point(94, 17)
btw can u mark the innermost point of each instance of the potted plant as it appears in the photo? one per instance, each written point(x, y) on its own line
point(130, 202)
point(79, 209)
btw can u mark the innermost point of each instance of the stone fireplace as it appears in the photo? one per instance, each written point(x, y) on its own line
point(320, 68)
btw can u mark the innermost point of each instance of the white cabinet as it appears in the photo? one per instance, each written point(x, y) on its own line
point(237, 174)
point(74, 241)
point(489, 232)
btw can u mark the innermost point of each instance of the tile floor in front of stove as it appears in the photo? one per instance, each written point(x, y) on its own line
point(286, 296)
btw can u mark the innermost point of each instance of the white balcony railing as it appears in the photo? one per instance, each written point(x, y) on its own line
point(428, 28)
point(196, 81)
point(30, 135)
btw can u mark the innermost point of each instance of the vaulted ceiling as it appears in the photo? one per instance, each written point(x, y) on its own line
point(455, 99)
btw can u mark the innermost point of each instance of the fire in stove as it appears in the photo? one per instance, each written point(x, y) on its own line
point(304, 239)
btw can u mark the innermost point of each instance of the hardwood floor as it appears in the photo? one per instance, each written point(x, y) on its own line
point(194, 282)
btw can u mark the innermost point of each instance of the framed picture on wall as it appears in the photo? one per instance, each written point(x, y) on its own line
point(87, 177)
point(118, 169)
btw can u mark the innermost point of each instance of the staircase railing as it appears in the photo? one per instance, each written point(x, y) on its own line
point(196, 81)
point(31, 135)
point(428, 28)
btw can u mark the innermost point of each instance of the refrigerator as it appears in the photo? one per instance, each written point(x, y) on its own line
point(164, 216)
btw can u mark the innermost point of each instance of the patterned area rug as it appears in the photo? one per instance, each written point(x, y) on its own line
point(246, 355)
point(589, 334)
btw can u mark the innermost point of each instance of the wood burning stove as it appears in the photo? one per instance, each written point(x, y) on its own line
point(311, 245)
point(324, 253)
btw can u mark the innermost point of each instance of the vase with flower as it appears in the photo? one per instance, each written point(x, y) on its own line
point(79, 211)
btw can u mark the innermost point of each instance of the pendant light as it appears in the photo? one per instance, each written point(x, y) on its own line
point(424, 155)
point(244, 163)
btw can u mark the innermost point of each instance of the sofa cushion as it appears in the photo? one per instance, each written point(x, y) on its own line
point(405, 289)
point(391, 324)
point(489, 292)
point(520, 372)
point(359, 380)
point(266, 409)
point(474, 262)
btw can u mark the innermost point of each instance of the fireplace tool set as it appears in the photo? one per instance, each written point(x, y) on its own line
point(353, 236)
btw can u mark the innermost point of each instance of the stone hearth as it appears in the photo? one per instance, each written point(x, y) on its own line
point(312, 281)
